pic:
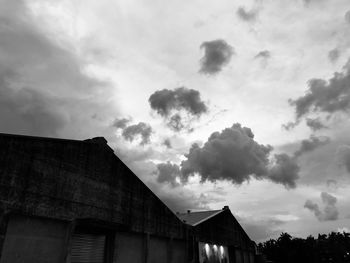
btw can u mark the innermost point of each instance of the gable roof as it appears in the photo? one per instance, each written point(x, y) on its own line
point(195, 218)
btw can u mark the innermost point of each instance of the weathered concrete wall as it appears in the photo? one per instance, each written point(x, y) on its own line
point(130, 248)
point(178, 252)
point(34, 240)
point(68, 179)
point(158, 250)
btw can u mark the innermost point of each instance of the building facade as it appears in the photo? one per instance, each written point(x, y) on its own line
point(70, 201)
point(218, 237)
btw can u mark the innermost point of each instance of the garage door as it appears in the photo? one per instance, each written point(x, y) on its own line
point(88, 248)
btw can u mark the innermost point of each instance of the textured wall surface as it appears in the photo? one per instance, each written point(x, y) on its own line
point(34, 240)
point(68, 179)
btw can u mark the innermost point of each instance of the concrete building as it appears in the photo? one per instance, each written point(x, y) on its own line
point(74, 201)
point(218, 237)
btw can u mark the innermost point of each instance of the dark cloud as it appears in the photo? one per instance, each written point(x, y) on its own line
point(167, 143)
point(121, 123)
point(315, 124)
point(347, 16)
point(169, 104)
point(311, 144)
point(331, 182)
point(234, 155)
point(284, 171)
point(330, 211)
point(217, 54)
point(333, 55)
point(167, 173)
point(28, 111)
point(42, 86)
point(343, 155)
point(175, 122)
point(265, 54)
point(142, 129)
point(328, 97)
point(164, 101)
point(249, 16)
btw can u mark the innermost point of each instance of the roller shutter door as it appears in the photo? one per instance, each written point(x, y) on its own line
point(88, 248)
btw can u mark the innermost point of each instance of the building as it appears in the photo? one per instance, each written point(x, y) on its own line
point(218, 237)
point(74, 201)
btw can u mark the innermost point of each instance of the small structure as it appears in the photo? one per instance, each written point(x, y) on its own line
point(218, 237)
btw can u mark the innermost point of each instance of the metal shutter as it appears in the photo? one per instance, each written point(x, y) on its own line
point(88, 248)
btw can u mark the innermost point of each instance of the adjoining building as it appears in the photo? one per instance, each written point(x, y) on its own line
point(74, 201)
point(218, 237)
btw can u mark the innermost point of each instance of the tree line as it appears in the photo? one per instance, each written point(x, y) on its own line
point(334, 247)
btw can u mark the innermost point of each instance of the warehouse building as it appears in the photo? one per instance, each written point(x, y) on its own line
point(74, 201)
point(218, 237)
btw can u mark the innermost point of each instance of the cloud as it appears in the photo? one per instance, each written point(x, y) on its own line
point(142, 129)
point(41, 83)
point(325, 97)
point(333, 55)
point(121, 123)
point(343, 156)
point(28, 111)
point(217, 54)
point(284, 171)
point(234, 155)
point(170, 103)
point(265, 54)
point(168, 173)
point(167, 143)
point(330, 211)
point(248, 16)
point(311, 144)
point(315, 124)
point(347, 17)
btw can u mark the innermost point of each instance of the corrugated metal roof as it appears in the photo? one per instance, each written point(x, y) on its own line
point(195, 218)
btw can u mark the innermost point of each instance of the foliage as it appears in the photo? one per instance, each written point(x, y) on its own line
point(334, 247)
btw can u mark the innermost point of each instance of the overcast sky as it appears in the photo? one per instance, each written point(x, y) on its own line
point(210, 103)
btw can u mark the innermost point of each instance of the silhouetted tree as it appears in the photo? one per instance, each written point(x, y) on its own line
point(334, 247)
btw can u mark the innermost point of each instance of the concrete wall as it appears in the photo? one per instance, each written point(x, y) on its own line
point(34, 240)
point(68, 180)
point(178, 252)
point(129, 248)
point(238, 256)
point(157, 250)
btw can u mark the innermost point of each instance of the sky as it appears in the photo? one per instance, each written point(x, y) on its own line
point(238, 103)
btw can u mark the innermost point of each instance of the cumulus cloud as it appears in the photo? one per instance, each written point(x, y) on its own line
point(311, 144)
point(333, 55)
point(265, 54)
point(327, 97)
point(284, 171)
point(330, 211)
point(343, 156)
point(141, 129)
point(315, 124)
point(121, 123)
point(168, 173)
point(248, 16)
point(170, 104)
point(234, 155)
point(217, 54)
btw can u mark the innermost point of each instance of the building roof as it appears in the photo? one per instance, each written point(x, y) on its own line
point(195, 218)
